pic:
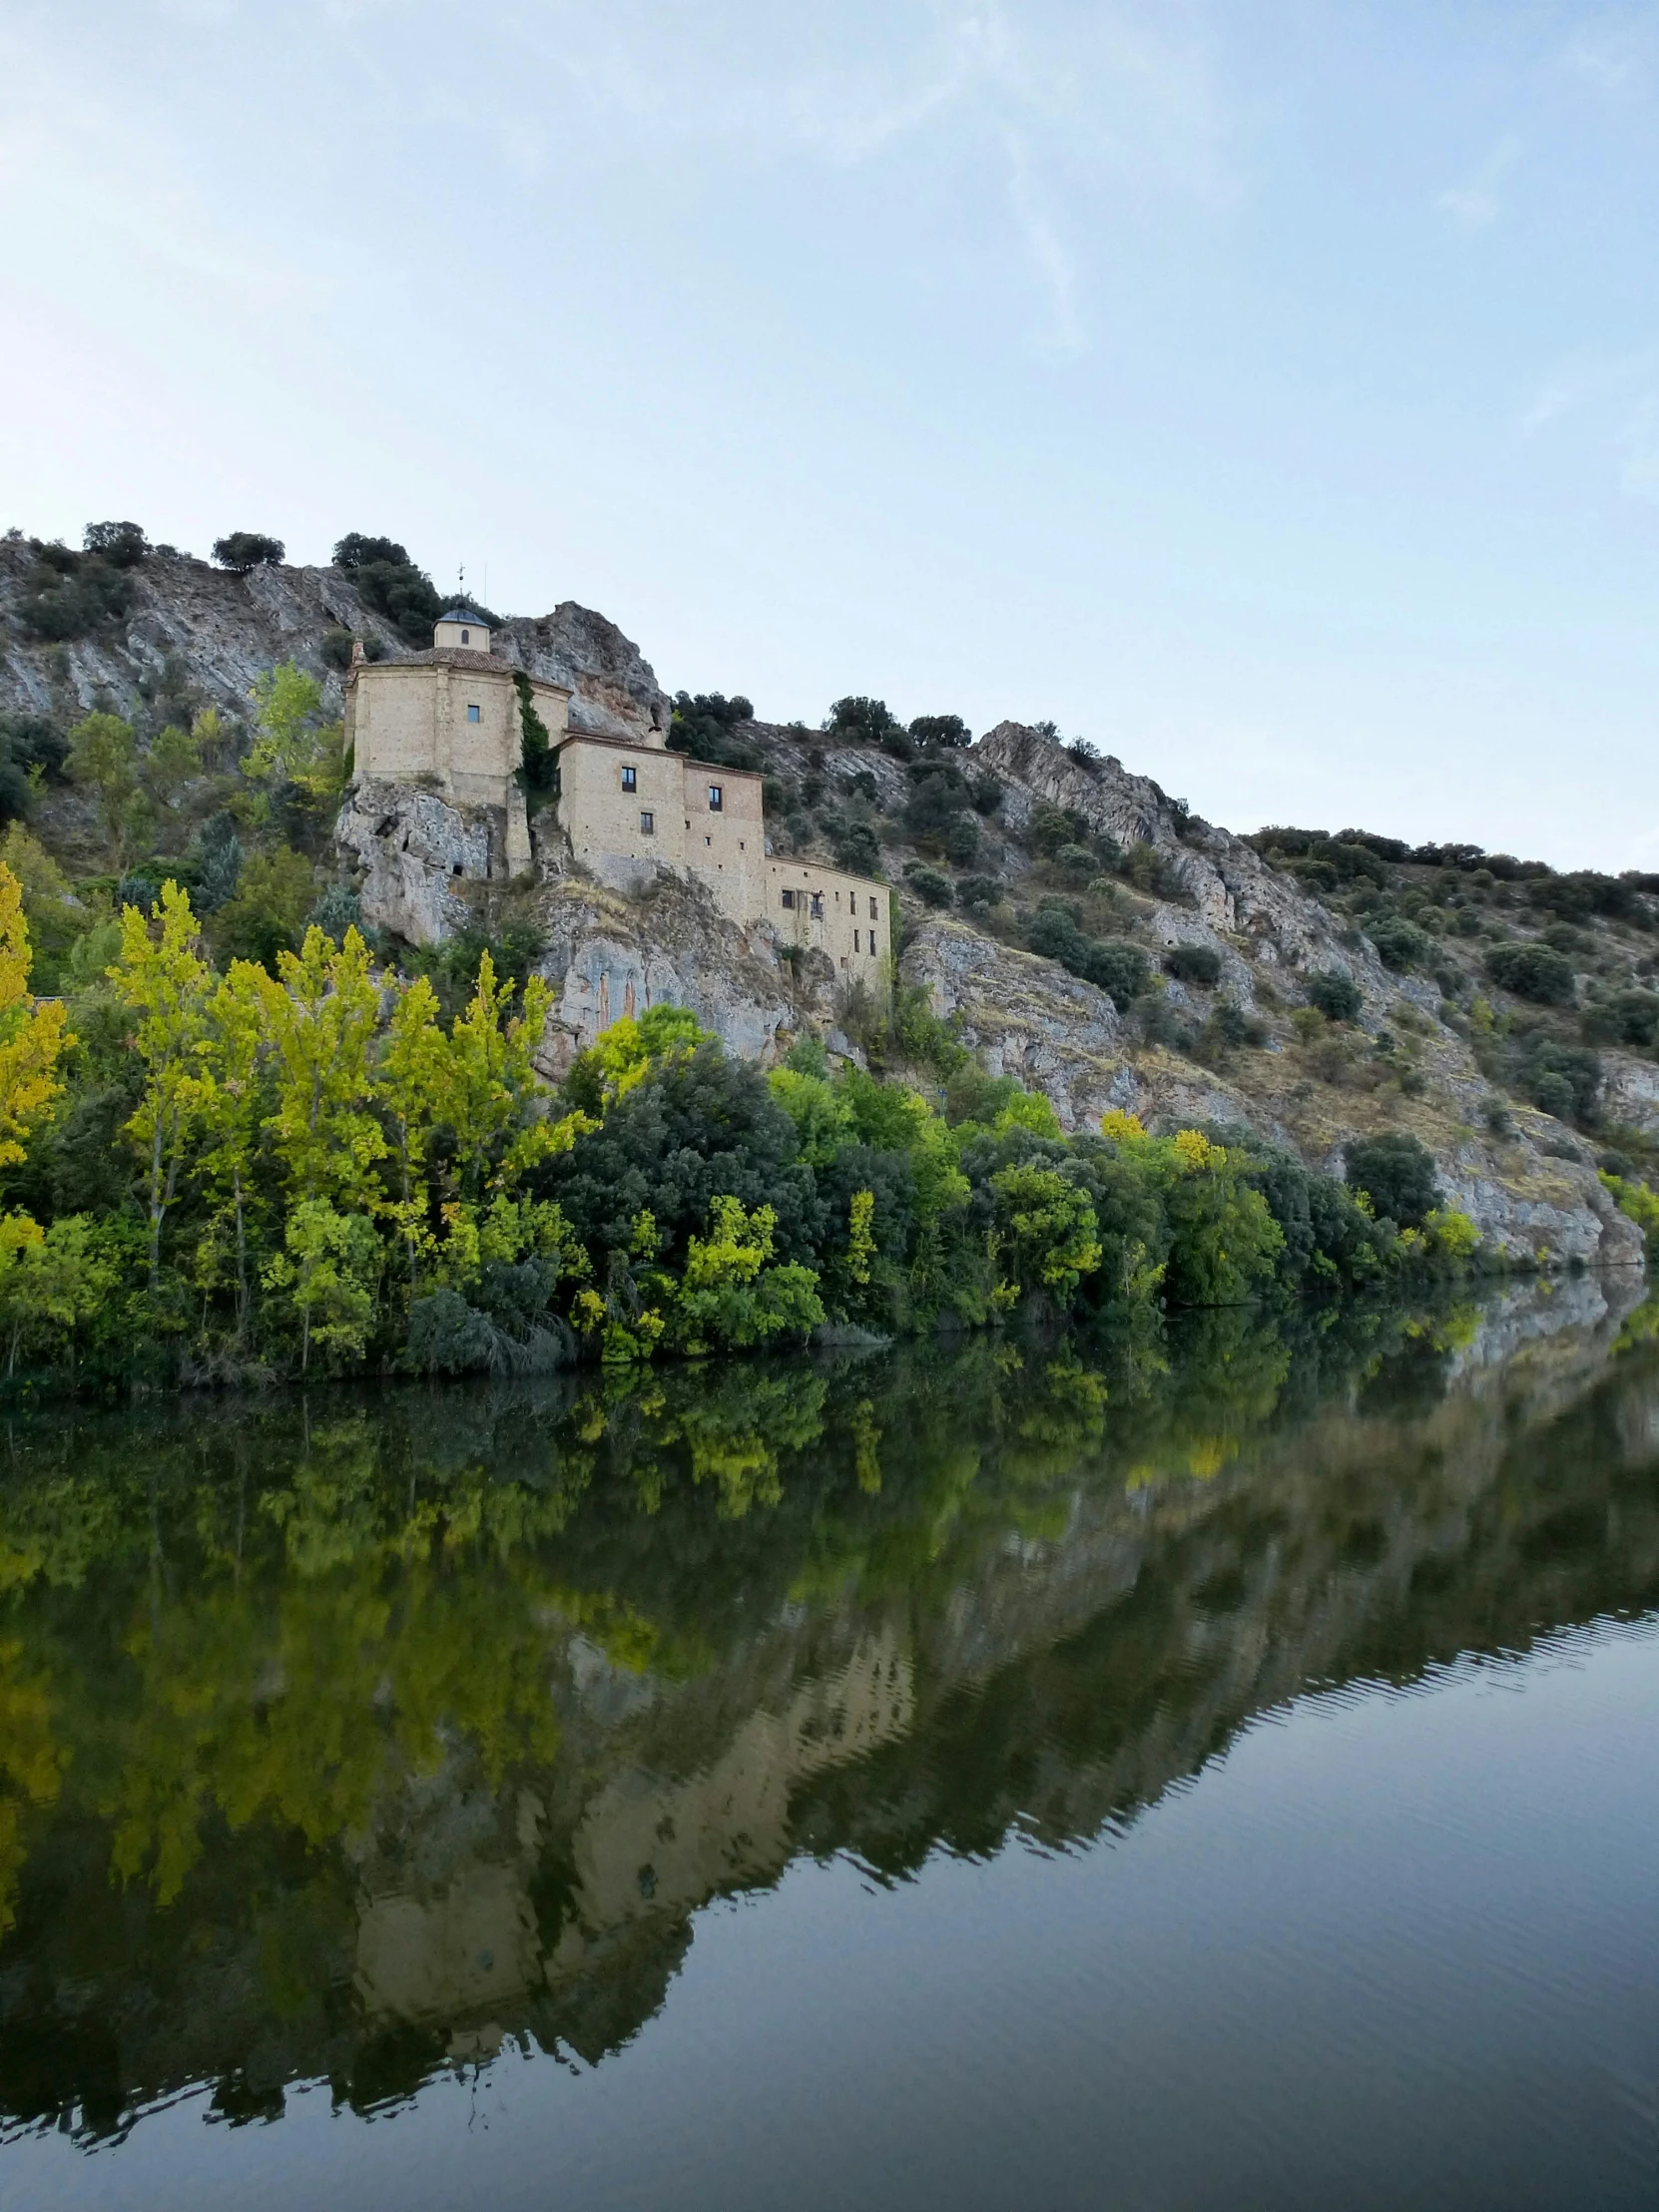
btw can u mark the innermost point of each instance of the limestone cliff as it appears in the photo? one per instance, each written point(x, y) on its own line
point(1226, 1047)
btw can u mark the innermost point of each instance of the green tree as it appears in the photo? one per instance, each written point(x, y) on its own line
point(164, 978)
point(102, 757)
point(322, 1020)
point(174, 755)
point(330, 1267)
point(292, 739)
point(265, 916)
point(1047, 1235)
point(230, 1105)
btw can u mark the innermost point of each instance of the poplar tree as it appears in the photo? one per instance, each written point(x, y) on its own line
point(164, 978)
point(33, 1034)
point(321, 1022)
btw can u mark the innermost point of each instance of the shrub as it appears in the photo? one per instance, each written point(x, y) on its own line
point(1624, 1017)
point(949, 731)
point(336, 645)
point(857, 719)
point(929, 887)
point(1051, 828)
point(1149, 871)
point(961, 843)
point(934, 803)
point(1560, 1079)
point(69, 602)
point(1582, 893)
point(1397, 1173)
point(1400, 945)
point(1335, 993)
point(855, 848)
point(1122, 970)
point(978, 891)
point(357, 551)
point(1533, 972)
point(703, 726)
point(31, 742)
point(1192, 963)
point(403, 594)
point(985, 793)
point(122, 544)
point(245, 550)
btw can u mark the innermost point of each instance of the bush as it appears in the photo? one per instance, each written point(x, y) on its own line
point(336, 647)
point(1122, 970)
point(1533, 972)
point(703, 726)
point(122, 544)
point(245, 550)
point(859, 721)
point(985, 793)
point(929, 887)
point(855, 848)
point(949, 731)
point(1397, 1173)
point(1560, 1079)
point(357, 551)
point(74, 596)
point(1400, 945)
point(978, 891)
point(1624, 1017)
point(1335, 994)
point(403, 594)
point(1192, 963)
point(961, 843)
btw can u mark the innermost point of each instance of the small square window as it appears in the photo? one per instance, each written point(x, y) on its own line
point(714, 799)
point(473, 713)
point(648, 824)
point(630, 779)
point(788, 900)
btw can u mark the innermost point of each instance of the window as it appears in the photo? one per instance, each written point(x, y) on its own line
point(788, 900)
point(708, 841)
point(630, 779)
point(473, 713)
point(648, 824)
point(467, 637)
point(714, 799)
point(873, 915)
point(818, 905)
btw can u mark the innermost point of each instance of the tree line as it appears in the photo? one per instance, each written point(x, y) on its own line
point(225, 1174)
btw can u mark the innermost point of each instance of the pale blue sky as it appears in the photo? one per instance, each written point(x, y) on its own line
point(1268, 393)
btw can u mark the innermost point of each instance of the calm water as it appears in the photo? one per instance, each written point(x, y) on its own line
point(1213, 1770)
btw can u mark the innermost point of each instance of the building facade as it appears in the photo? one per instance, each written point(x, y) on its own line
point(453, 719)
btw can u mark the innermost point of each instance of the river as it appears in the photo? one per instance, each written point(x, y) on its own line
point(1213, 1766)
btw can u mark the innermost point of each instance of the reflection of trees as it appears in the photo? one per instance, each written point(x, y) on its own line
point(254, 1665)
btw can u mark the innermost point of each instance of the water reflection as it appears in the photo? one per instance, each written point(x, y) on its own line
point(343, 1740)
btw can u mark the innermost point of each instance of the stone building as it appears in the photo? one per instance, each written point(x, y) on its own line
point(452, 720)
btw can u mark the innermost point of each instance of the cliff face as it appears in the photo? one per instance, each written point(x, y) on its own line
point(193, 636)
point(198, 634)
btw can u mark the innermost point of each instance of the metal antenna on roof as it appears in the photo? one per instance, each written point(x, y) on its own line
point(461, 572)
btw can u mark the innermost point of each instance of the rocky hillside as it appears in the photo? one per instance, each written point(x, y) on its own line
point(1073, 924)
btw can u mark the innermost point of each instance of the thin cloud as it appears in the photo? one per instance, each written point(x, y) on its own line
point(1474, 204)
point(1614, 59)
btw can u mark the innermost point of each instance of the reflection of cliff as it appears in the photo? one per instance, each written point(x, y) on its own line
point(1037, 1612)
point(648, 1848)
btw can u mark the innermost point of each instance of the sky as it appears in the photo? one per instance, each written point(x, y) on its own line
point(1266, 392)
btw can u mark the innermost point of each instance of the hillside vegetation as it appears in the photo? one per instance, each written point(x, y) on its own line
point(1127, 1058)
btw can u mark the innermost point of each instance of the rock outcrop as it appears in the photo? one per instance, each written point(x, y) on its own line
point(206, 633)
